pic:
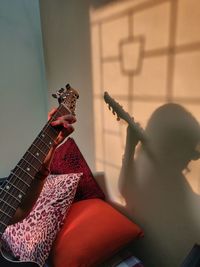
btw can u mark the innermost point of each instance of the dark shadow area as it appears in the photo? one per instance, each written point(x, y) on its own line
point(158, 196)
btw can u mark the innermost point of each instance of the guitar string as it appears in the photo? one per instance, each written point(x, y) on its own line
point(41, 145)
point(21, 173)
point(18, 180)
point(44, 143)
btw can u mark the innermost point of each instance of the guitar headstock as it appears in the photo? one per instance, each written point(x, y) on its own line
point(67, 96)
point(116, 108)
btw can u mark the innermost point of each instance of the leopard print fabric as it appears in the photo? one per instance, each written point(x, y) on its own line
point(31, 239)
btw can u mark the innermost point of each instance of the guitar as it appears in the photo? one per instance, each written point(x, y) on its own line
point(19, 181)
point(118, 110)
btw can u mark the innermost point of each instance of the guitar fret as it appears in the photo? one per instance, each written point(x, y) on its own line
point(41, 145)
point(43, 136)
point(36, 153)
point(52, 132)
point(8, 204)
point(24, 167)
point(3, 224)
point(64, 110)
point(19, 196)
point(31, 158)
point(39, 149)
point(59, 113)
point(39, 161)
point(48, 145)
point(21, 179)
point(25, 171)
point(9, 190)
point(29, 164)
point(10, 184)
point(5, 213)
point(48, 135)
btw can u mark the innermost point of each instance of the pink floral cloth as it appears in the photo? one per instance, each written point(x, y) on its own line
point(31, 239)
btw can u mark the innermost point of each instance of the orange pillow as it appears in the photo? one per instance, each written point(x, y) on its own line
point(93, 231)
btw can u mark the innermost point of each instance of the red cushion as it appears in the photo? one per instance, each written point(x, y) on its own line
point(92, 232)
point(69, 159)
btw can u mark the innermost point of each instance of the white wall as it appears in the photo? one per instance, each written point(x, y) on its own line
point(23, 101)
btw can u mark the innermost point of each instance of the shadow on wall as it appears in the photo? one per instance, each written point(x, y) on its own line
point(157, 194)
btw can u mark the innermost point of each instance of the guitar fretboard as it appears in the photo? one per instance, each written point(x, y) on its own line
point(21, 177)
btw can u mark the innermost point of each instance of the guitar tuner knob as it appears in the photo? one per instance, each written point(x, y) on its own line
point(61, 90)
point(118, 118)
point(109, 107)
point(68, 86)
point(54, 95)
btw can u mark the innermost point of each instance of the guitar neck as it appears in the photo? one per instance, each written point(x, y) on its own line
point(21, 177)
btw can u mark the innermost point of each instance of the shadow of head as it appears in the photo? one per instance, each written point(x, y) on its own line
point(174, 134)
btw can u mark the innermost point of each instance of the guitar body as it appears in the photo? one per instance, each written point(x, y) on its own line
point(6, 262)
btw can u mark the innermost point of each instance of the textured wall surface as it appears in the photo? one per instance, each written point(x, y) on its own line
point(23, 95)
point(146, 54)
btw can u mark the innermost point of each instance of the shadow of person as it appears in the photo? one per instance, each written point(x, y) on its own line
point(156, 192)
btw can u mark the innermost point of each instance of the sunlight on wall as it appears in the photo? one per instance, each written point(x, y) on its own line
point(144, 53)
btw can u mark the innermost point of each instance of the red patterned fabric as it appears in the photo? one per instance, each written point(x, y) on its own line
point(32, 238)
point(67, 159)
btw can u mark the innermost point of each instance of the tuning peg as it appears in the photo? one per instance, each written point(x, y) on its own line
point(61, 90)
point(118, 118)
point(68, 86)
point(54, 95)
point(109, 107)
point(113, 112)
